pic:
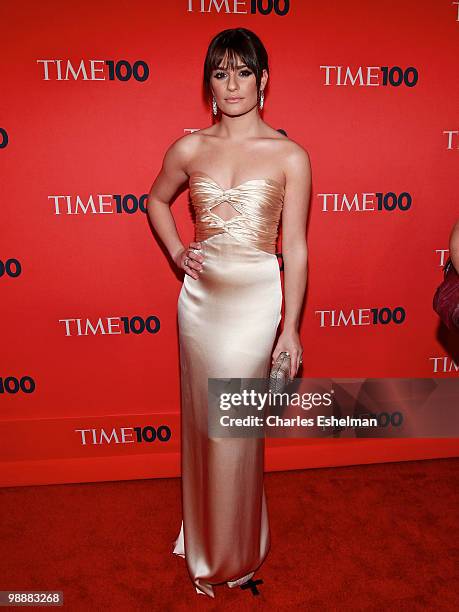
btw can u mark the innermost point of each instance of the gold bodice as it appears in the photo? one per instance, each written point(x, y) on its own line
point(258, 203)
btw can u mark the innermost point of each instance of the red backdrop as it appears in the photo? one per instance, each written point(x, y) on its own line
point(93, 94)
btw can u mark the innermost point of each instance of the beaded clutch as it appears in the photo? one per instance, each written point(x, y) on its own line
point(279, 376)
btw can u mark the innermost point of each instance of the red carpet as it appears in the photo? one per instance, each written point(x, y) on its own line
point(371, 537)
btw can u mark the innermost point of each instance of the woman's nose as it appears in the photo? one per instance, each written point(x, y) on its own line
point(232, 82)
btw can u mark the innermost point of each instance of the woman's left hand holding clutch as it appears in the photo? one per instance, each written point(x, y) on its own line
point(289, 341)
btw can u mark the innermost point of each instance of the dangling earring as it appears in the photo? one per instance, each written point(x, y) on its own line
point(262, 99)
point(214, 106)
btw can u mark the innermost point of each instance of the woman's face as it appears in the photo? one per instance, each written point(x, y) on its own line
point(236, 90)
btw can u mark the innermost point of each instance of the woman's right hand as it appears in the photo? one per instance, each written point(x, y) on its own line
point(190, 261)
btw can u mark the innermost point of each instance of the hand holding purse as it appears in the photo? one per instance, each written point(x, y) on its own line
point(279, 376)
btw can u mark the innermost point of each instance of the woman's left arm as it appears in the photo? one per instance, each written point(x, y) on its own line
point(294, 250)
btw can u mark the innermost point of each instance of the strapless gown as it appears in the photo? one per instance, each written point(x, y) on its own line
point(228, 319)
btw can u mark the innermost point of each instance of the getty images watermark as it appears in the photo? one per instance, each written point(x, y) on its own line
point(334, 407)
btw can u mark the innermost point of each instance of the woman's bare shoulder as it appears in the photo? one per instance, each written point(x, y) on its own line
point(295, 157)
point(183, 144)
point(454, 235)
point(292, 148)
point(287, 147)
point(454, 246)
point(187, 146)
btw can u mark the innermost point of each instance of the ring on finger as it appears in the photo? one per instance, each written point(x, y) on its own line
point(187, 259)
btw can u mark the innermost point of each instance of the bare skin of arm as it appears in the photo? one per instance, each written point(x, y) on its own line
point(294, 251)
point(171, 177)
point(454, 246)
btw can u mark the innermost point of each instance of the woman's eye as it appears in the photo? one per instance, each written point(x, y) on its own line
point(244, 73)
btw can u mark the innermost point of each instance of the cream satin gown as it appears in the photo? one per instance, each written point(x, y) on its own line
point(228, 319)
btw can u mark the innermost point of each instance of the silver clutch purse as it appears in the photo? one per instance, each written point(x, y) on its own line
point(279, 376)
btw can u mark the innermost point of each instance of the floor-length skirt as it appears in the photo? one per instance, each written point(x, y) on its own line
point(228, 319)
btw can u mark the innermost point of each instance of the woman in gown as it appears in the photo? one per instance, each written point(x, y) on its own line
point(243, 176)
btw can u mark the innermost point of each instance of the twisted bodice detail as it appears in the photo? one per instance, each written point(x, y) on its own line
point(258, 203)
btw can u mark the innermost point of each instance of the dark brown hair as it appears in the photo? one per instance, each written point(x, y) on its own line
point(235, 42)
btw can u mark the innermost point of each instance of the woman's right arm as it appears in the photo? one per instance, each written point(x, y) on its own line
point(169, 180)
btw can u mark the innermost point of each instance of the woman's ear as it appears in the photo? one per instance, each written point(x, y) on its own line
point(264, 78)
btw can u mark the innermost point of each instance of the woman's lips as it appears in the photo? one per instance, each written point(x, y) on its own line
point(233, 100)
